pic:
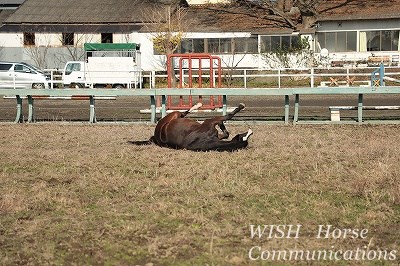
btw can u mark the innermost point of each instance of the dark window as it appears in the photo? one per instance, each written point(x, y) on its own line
point(5, 66)
point(106, 38)
point(213, 46)
point(29, 38)
point(373, 40)
point(67, 38)
point(246, 45)
point(21, 68)
point(344, 41)
point(198, 45)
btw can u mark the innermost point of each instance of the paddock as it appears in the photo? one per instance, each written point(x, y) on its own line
point(79, 194)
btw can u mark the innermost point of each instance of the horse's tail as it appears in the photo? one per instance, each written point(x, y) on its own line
point(143, 142)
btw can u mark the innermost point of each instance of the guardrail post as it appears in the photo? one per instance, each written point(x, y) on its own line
point(312, 77)
point(296, 108)
point(153, 79)
point(245, 78)
point(51, 79)
point(224, 104)
point(153, 109)
point(279, 78)
point(92, 118)
point(19, 118)
point(360, 107)
point(30, 109)
point(163, 105)
point(287, 106)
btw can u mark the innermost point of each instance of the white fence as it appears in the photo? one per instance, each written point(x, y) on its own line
point(267, 78)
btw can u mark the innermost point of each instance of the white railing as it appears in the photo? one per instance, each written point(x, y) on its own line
point(314, 77)
point(245, 78)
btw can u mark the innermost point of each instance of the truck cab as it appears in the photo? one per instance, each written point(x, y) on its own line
point(74, 74)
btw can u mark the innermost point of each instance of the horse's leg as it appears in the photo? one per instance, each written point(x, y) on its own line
point(243, 136)
point(194, 107)
point(240, 107)
point(225, 133)
point(219, 120)
point(240, 141)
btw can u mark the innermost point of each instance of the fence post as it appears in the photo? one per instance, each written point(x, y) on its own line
point(92, 110)
point(30, 109)
point(360, 107)
point(19, 118)
point(153, 118)
point(312, 77)
point(245, 78)
point(287, 106)
point(279, 78)
point(296, 108)
point(51, 79)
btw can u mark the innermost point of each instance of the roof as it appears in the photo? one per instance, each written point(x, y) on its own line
point(333, 10)
point(4, 14)
point(131, 15)
point(234, 17)
point(84, 11)
point(11, 2)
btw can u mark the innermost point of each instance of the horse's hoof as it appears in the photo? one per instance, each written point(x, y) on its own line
point(242, 106)
point(195, 107)
point(249, 133)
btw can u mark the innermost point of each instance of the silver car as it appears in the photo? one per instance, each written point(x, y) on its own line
point(21, 75)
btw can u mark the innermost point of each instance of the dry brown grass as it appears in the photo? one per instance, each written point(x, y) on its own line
point(79, 194)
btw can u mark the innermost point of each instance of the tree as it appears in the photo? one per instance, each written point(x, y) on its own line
point(167, 28)
point(295, 14)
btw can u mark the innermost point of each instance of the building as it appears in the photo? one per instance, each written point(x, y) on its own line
point(50, 32)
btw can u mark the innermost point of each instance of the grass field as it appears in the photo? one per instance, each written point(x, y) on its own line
point(80, 195)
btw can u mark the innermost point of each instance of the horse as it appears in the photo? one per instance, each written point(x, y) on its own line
point(178, 132)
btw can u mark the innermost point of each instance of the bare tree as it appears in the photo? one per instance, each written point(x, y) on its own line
point(294, 13)
point(38, 54)
point(167, 28)
point(73, 52)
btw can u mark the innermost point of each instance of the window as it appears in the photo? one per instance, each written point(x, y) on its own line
point(67, 38)
point(72, 67)
point(192, 46)
point(225, 45)
point(21, 68)
point(213, 46)
point(246, 45)
point(273, 43)
point(5, 66)
point(29, 38)
point(385, 40)
point(373, 41)
point(219, 45)
point(106, 38)
point(344, 41)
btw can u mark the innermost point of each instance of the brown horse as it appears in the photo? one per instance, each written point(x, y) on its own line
point(176, 131)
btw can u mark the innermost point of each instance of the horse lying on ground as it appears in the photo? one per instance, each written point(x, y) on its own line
point(176, 131)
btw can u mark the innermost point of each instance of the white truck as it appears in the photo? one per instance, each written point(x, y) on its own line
point(106, 65)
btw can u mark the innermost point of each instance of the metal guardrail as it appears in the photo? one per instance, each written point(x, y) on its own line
point(225, 92)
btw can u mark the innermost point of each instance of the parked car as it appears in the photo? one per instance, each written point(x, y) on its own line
point(22, 75)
